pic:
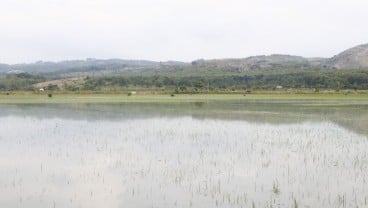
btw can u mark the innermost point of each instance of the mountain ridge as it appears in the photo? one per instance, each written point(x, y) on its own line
point(356, 57)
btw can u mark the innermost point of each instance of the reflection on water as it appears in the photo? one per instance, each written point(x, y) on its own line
point(192, 155)
point(352, 117)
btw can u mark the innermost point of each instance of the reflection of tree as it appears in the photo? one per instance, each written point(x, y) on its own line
point(352, 117)
point(199, 104)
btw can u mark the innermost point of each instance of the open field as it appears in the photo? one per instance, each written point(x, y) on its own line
point(24, 98)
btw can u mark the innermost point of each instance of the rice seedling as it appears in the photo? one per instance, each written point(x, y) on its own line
point(180, 162)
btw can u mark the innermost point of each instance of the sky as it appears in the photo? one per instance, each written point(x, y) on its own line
point(183, 30)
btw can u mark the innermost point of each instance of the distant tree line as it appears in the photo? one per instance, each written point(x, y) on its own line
point(22, 81)
point(318, 79)
point(350, 79)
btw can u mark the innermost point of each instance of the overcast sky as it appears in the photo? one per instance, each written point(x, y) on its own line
point(52, 30)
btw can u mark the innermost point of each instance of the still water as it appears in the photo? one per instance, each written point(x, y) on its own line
point(184, 155)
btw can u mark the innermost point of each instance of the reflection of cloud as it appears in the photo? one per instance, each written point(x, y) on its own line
point(43, 166)
point(163, 161)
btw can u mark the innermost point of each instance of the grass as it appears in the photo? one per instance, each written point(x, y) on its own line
point(33, 98)
point(275, 188)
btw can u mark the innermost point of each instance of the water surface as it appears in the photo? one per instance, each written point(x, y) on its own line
point(219, 154)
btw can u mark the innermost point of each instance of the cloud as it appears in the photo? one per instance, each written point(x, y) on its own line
point(181, 30)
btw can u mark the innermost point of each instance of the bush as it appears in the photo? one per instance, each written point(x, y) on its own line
point(49, 95)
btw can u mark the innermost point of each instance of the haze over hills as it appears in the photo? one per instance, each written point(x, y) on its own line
point(354, 58)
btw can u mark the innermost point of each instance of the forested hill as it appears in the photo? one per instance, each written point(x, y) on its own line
point(73, 66)
point(354, 58)
point(347, 70)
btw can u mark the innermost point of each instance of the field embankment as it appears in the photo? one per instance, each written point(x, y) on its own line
point(32, 98)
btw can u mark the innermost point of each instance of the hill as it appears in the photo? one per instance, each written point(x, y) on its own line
point(347, 70)
point(255, 62)
point(353, 58)
point(75, 66)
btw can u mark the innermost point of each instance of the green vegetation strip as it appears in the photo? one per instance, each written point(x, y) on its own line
point(182, 98)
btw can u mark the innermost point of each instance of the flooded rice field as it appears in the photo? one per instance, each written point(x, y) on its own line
point(191, 155)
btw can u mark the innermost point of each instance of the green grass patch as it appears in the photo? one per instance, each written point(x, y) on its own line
point(30, 98)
